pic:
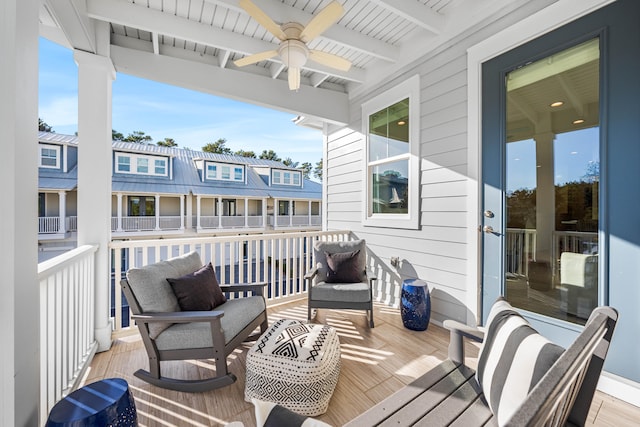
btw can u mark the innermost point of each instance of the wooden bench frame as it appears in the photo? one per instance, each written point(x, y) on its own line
point(450, 395)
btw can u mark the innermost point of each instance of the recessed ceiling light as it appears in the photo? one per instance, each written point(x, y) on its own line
point(578, 121)
point(402, 123)
point(557, 104)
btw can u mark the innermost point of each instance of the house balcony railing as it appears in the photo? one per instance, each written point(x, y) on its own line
point(283, 221)
point(228, 221)
point(281, 260)
point(48, 224)
point(72, 223)
point(67, 342)
point(146, 223)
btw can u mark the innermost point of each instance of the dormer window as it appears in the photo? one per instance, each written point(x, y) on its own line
point(224, 172)
point(49, 156)
point(140, 164)
point(286, 177)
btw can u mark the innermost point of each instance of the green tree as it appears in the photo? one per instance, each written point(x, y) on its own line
point(167, 142)
point(244, 153)
point(290, 163)
point(217, 147)
point(138, 137)
point(116, 136)
point(306, 167)
point(317, 171)
point(44, 127)
point(270, 155)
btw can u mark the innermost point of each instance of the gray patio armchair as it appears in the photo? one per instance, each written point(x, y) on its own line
point(169, 333)
point(340, 278)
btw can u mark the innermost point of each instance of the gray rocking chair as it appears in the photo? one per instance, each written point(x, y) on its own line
point(171, 334)
point(356, 294)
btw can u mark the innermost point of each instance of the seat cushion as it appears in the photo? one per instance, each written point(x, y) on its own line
point(238, 313)
point(320, 247)
point(198, 291)
point(153, 292)
point(348, 292)
point(512, 360)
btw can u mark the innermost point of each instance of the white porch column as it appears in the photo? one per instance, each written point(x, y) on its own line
point(62, 211)
point(219, 212)
point(119, 210)
point(275, 213)
point(95, 79)
point(189, 212)
point(309, 214)
point(545, 196)
point(198, 204)
point(181, 212)
point(19, 314)
point(157, 209)
point(290, 213)
point(264, 213)
point(246, 212)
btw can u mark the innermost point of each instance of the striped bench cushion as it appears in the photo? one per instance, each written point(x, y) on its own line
point(512, 359)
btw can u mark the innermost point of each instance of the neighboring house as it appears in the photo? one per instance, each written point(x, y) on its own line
point(171, 192)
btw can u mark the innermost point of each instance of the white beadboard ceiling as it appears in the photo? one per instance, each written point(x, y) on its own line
point(193, 43)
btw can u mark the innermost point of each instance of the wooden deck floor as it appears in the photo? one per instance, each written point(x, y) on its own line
point(375, 363)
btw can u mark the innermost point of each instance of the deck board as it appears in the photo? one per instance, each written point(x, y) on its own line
point(375, 364)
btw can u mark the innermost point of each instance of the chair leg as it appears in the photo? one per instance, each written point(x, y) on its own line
point(371, 325)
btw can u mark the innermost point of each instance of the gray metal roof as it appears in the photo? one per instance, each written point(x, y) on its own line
point(186, 177)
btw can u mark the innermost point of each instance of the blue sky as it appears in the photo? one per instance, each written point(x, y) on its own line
point(573, 153)
point(159, 110)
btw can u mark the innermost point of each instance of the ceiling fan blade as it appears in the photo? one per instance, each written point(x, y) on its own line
point(330, 60)
point(252, 59)
point(294, 78)
point(323, 20)
point(263, 19)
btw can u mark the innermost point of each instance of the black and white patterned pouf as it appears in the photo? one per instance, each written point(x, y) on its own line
point(295, 365)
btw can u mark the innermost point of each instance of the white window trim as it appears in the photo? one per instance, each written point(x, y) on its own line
point(410, 88)
point(49, 147)
point(231, 166)
point(133, 164)
point(281, 180)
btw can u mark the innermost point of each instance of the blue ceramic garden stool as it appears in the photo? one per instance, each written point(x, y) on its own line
point(104, 403)
point(416, 304)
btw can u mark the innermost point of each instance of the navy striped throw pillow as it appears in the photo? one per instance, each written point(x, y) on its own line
point(512, 359)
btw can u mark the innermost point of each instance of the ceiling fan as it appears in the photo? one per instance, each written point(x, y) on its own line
point(293, 50)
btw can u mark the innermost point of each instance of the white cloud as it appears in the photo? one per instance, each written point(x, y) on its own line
point(60, 111)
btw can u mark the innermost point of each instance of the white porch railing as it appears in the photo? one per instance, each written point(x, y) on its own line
point(169, 222)
point(283, 221)
point(520, 247)
point(235, 221)
point(281, 260)
point(72, 223)
point(67, 343)
point(48, 224)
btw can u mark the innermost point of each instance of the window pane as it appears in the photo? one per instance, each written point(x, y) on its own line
point(226, 172)
point(296, 179)
point(124, 164)
point(552, 184)
point(276, 177)
point(161, 167)
point(143, 165)
point(389, 131)
point(238, 174)
point(48, 157)
point(287, 178)
point(390, 185)
point(212, 171)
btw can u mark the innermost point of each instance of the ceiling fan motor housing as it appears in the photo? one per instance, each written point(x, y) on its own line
point(292, 51)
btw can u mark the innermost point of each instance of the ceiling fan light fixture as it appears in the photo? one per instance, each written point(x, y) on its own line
point(294, 78)
point(293, 53)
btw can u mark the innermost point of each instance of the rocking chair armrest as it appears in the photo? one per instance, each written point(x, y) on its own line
point(179, 316)
point(371, 276)
point(256, 287)
point(458, 331)
point(312, 273)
